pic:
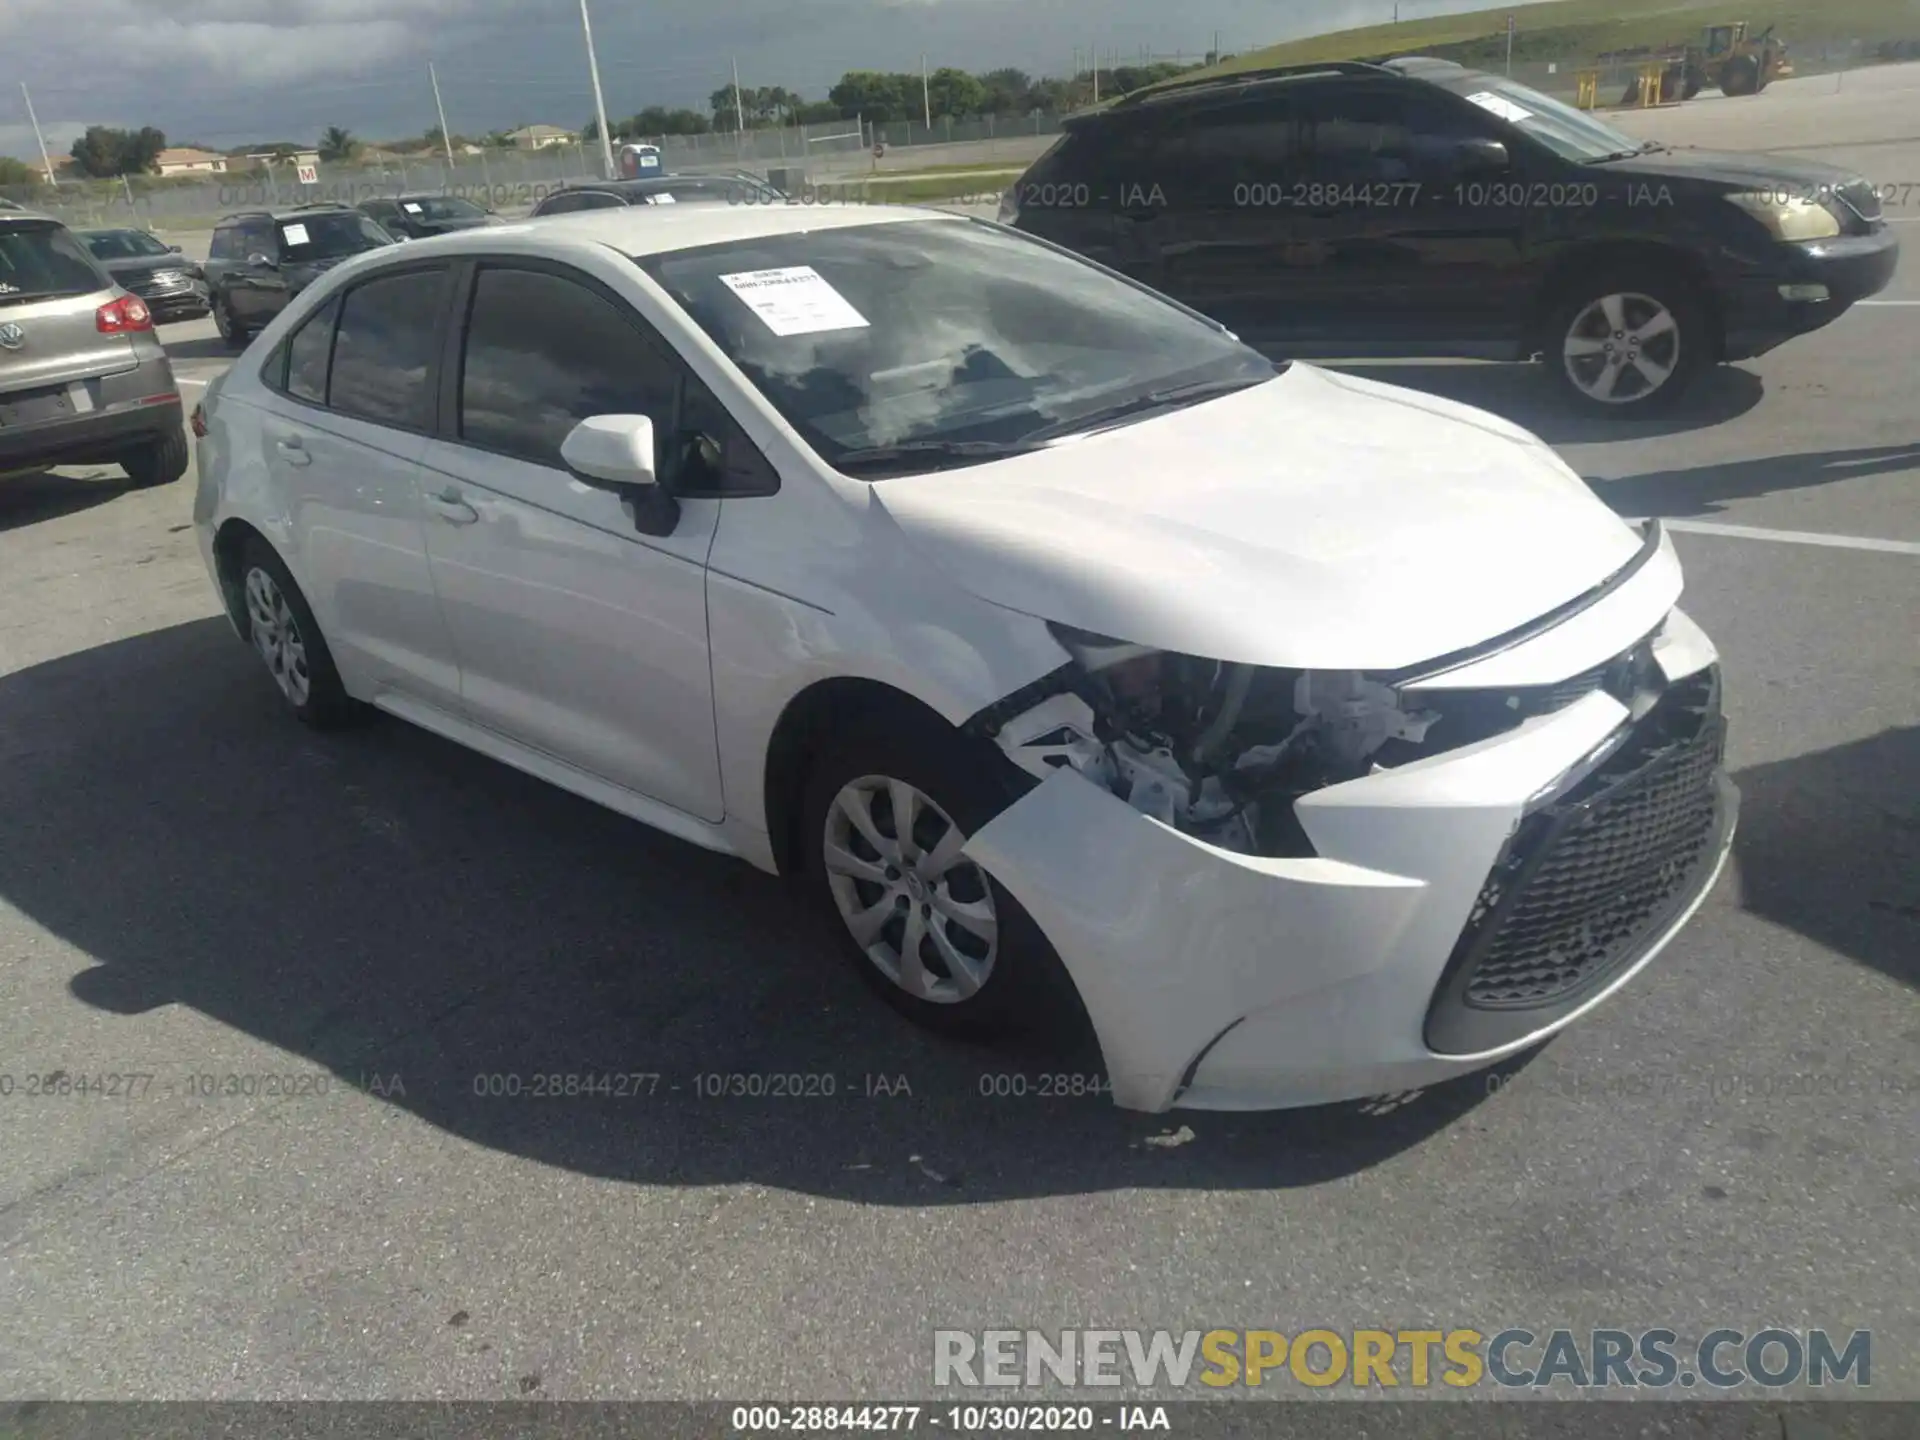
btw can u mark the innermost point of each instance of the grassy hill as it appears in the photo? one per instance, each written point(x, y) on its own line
point(1577, 30)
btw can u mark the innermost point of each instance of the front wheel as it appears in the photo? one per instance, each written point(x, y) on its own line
point(1625, 345)
point(286, 637)
point(887, 810)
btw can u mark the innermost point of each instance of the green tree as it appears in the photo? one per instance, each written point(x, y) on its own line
point(875, 96)
point(18, 173)
point(955, 93)
point(1009, 92)
point(104, 152)
point(338, 144)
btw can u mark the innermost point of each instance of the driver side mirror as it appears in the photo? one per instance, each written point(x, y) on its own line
point(174, 249)
point(1473, 159)
point(615, 453)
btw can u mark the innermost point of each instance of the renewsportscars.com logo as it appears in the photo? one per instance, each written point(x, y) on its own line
point(1773, 1358)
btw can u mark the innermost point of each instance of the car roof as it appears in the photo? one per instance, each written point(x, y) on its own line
point(290, 212)
point(662, 230)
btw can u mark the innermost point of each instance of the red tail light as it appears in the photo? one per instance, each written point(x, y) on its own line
point(118, 317)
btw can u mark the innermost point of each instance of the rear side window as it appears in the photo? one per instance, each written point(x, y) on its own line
point(308, 354)
point(38, 261)
point(543, 353)
point(383, 353)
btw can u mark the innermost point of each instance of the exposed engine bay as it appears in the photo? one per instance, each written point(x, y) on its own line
point(1222, 751)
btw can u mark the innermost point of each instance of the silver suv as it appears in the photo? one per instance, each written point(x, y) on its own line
point(83, 380)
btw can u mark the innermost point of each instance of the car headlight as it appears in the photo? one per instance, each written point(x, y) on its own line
point(1789, 217)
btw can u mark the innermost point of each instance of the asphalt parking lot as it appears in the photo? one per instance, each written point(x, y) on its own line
point(196, 891)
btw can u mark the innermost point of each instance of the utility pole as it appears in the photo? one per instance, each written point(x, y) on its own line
point(739, 101)
point(926, 91)
point(46, 160)
point(1096, 73)
point(599, 99)
point(446, 135)
point(1510, 26)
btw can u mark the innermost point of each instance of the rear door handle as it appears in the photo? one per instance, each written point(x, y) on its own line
point(451, 508)
point(293, 450)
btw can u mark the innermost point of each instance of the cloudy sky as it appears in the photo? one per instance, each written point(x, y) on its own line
point(228, 72)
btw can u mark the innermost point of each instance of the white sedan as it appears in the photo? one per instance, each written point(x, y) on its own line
point(1312, 738)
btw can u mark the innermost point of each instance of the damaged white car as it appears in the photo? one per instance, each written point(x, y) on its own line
point(1316, 739)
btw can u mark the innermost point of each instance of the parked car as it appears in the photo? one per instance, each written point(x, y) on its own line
point(1418, 208)
point(737, 188)
point(259, 260)
point(1312, 737)
point(83, 380)
point(415, 217)
point(174, 287)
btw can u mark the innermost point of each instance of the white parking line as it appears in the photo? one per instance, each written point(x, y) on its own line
point(1792, 537)
point(1895, 303)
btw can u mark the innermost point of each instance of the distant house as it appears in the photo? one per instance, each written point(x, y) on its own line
point(190, 162)
point(275, 157)
point(539, 137)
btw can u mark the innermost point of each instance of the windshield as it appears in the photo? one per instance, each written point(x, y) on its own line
point(442, 207)
point(123, 244)
point(330, 236)
point(42, 262)
point(1571, 134)
point(949, 336)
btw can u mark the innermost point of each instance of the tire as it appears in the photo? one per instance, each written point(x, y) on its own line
point(303, 670)
point(159, 462)
point(1741, 76)
point(1010, 982)
point(1656, 366)
point(228, 324)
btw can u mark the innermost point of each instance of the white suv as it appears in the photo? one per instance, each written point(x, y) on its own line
point(1313, 739)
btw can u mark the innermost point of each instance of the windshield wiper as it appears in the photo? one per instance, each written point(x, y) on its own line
point(1152, 400)
point(880, 457)
point(1650, 147)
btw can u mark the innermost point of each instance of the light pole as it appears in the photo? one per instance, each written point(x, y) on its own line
point(599, 99)
point(446, 136)
point(33, 119)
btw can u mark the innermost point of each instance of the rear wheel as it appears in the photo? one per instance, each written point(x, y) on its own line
point(227, 323)
point(159, 462)
point(1626, 343)
point(887, 808)
point(1741, 76)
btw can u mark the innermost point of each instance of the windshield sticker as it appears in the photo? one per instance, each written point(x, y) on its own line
point(295, 234)
point(794, 300)
point(409, 207)
point(1499, 105)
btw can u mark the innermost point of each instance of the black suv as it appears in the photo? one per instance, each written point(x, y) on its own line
point(172, 285)
point(261, 259)
point(729, 189)
point(1421, 208)
point(416, 217)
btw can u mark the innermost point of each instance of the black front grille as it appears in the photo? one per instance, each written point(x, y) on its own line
point(1591, 877)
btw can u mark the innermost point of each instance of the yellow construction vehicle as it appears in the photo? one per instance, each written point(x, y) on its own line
point(1727, 58)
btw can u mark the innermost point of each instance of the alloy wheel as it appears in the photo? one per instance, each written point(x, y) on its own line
point(922, 913)
point(276, 635)
point(1621, 349)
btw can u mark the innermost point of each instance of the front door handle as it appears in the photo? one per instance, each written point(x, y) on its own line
point(293, 450)
point(451, 508)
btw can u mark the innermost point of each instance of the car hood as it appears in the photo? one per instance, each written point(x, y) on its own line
point(1734, 168)
point(1313, 522)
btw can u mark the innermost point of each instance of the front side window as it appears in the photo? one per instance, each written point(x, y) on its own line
point(1211, 158)
point(1376, 136)
point(544, 353)
point(223, 246)
point(330, 235)
point(947, 336)
point(389, 334)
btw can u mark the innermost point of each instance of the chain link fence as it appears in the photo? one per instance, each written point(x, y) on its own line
point(512, 180)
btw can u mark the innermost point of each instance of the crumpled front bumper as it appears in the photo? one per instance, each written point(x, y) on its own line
point(1218, 980)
